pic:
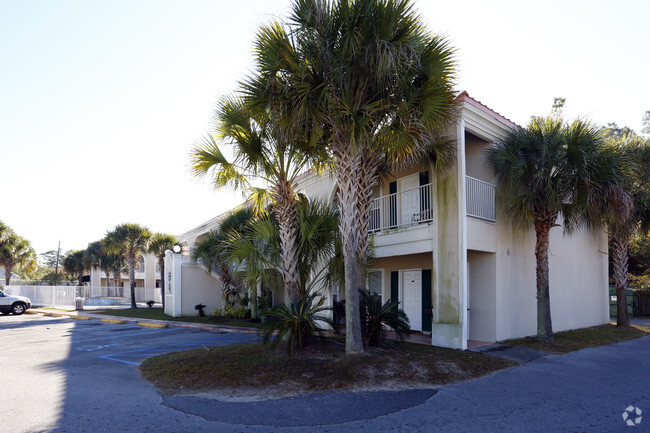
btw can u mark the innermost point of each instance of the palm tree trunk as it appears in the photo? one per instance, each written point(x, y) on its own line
point(253, 301)
point(285, 213)
point(226, 281)
point(544, 324)
point(161, 263)
point(131, 263)
point(619, 253)
point(8, 269)
point(366, 179)
point(345, 173)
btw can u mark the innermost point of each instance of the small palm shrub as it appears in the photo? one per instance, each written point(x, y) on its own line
point(374, 316)
point(297, 323)
point(199, 308)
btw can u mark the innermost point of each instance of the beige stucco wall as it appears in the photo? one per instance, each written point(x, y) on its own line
point(390, 264)
point(482, 304)
point(577, 278)
point(199, 287)
point(475, 158)
point(147, 278)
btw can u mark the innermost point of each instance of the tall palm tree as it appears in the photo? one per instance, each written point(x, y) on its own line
point(75, 264)
point(262, 150)
point(159, 243)
point(212, 250)
point(375, 85)
point(627, 211)
point(128, 240)
point(547, 169)
point(15, 251)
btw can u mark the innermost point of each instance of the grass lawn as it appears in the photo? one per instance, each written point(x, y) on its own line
point(259, 370)
point(157, 314)
point(570, 341)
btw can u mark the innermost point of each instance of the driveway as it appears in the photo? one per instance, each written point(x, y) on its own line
point(64, 375)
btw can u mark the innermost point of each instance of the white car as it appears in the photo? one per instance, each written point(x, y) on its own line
point(13, 304)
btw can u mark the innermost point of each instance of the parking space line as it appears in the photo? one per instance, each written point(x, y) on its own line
point(159, 350)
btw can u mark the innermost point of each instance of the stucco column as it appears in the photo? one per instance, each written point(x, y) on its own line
point(450, 286)
point(173, 286)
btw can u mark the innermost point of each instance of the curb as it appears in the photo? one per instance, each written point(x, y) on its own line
point(150, 324)
point(113, 321)
point(153, 325)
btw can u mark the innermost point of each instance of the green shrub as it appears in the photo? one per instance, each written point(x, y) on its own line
point(374, 316)
point(240, 313)
point(199, 308)
point(297, 323)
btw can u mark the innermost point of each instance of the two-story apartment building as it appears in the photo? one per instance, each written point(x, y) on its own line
point(461, 272)
point(147, 280)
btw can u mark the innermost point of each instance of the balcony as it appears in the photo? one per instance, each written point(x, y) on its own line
point(480, 199)
point(411, 207)
point(401, 209)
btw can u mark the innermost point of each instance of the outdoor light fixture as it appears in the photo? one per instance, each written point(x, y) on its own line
point(177, 249)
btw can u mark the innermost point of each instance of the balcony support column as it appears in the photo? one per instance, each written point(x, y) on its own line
point(450, 266)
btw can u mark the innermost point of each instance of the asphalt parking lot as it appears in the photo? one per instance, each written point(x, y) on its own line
point(65, 375)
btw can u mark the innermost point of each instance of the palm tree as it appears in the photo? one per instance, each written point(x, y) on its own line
point(627, 210)
point(75, 264)
point(544, 170)
point(375, 86)
point(262, 151)
point(128, 240)
point(212, 250)
point(257, 250)
point(115, 263)
point(159, 243)
point(15, 251)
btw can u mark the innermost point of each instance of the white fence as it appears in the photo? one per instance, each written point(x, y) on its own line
point(64, 296)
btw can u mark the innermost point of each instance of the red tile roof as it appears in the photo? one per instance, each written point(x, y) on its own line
point(464, 96)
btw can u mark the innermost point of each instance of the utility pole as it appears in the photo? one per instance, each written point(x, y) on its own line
point(56, 267)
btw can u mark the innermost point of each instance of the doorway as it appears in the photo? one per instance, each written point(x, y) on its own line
point(410, 296)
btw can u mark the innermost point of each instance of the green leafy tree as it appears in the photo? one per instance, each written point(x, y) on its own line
point(262, 151)
point(212, 251)
point(639, 263)
point(544, 170)
point(15, 251)
point(627, 208)
point(256, 251)
point(159, 243)
point(645, 129)
point(375, 86)
point(127, 240)
point(75, 264)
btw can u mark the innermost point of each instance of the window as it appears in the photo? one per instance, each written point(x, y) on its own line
point(375, 283)
point(139, 264)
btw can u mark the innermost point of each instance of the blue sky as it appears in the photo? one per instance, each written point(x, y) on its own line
point(100, 102)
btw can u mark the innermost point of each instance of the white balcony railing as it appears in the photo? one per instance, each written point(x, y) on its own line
point(401, 209)
point(480, 199)
point(413, 206)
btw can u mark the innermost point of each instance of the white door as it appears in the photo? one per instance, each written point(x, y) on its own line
point(411, 297)
point(409, 189)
